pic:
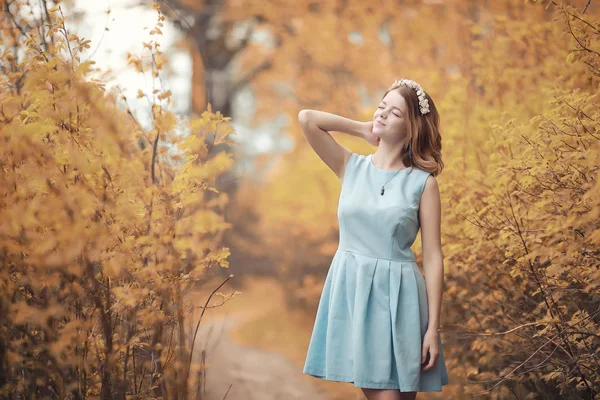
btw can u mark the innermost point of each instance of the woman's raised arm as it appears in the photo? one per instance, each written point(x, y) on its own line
point(316, 126)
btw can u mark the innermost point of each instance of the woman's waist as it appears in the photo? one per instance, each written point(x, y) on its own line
point(405, 256)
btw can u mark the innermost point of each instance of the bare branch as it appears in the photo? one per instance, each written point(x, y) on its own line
point(265, 65)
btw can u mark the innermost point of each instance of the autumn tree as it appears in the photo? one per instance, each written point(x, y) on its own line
point(521, 242)
point(101, 240)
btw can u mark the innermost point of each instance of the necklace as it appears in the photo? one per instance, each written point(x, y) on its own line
point(393, 176)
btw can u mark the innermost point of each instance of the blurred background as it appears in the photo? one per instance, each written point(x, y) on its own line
point(168, 229)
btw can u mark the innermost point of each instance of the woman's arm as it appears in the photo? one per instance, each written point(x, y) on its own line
point(316, 126)
point(430, 218)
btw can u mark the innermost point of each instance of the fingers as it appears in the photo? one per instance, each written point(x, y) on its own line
point(424, 353)
point(433, 357)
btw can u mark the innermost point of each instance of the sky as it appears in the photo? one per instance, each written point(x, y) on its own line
point(128, 26)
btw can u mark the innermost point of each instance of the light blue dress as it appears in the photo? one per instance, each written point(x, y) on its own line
point(373, 313)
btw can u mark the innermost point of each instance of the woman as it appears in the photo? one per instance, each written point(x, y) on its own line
point(377, 323)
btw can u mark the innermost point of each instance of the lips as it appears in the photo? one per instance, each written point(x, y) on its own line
point(380, 123)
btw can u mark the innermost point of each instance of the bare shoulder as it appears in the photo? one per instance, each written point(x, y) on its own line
point(431, 189)
point(431, 181)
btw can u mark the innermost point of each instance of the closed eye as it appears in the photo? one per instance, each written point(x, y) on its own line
point(381, 107)
point(385, 104)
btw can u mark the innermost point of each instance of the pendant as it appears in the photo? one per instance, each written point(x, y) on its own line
point(382, 190)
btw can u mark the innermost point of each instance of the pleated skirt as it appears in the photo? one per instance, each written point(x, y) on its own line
point(369, 327)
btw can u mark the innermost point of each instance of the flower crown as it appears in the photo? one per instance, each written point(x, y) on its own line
point(423, 102)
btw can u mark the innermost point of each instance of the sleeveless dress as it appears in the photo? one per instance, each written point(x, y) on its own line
point(372, 313)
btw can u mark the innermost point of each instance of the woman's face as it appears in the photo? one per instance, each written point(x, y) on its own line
point(391, 115)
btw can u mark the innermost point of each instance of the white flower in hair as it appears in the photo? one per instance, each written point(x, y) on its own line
point(423, 102)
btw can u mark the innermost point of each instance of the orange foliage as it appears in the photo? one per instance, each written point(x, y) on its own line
point(105, 226)
point(522, 210)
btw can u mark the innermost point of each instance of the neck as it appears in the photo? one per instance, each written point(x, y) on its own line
point(388, 158)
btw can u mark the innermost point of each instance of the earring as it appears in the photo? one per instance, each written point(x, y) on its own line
point(410, 151)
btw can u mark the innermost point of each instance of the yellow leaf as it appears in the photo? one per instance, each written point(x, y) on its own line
point(164, 95)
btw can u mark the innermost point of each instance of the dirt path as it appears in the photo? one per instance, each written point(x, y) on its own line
point(253, 373)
